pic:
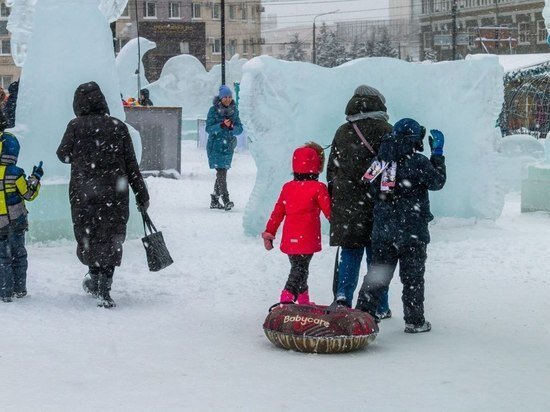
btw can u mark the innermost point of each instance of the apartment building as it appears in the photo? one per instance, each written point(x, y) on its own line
point(9, 72)
point(483, 26)
point(407, 12)
point(400, 31)
point(278, 40)
point(194, 28)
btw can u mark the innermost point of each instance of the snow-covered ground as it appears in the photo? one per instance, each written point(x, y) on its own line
point(189, 338)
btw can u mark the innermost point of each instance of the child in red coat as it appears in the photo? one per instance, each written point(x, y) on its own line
point(300, 203)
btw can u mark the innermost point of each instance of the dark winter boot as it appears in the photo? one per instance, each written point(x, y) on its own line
point(104, 299)
point(20, 295)
point(227, 204)
point(424, 327)
point(7, 299)
point(90, 284)
point(215, 202)
point(384, 315)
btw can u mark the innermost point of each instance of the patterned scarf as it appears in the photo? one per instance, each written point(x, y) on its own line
point(388, 171)
point(379, 115)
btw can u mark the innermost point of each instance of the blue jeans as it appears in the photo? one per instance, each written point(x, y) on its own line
point(348, 275)
point(13, 263)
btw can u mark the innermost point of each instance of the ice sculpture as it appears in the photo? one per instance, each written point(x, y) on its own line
point(546, 15)
point(60, 44)
point(284, 104)
point(185, 83)
point(126, 64)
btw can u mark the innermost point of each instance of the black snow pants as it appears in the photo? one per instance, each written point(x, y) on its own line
point(299, 271)
point(412, 265)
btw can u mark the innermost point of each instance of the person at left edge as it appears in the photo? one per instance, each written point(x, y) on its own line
point(15, 189)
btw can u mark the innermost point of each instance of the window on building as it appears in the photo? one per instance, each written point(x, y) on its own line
point(232, 47)
point(5, 47)
point(4, 10)
point(150, 9)
point(195, 10)
point(542, 34)
point(233, 12)
point(5, 81)
point(244, 11)
point(216, 11)
point(174, 10)
point(523, 32)
point(217, 46)
point(125, 12)
point(245, 46)
point(427, 40)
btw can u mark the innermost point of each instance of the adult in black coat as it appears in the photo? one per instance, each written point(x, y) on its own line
point(103, 163)
point(351, 208)
point(401, 215)
point(11, 103)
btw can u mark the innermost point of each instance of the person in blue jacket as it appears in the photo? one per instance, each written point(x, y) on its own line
point(15, 190)
point(222, 125)
point(400, 180)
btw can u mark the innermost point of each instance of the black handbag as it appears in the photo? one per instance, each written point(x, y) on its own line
point(157, 253)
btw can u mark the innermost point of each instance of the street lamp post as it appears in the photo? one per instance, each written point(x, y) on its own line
point(314, 48)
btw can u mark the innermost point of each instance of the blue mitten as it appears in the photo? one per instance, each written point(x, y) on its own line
point(437, 140)
point(37, 171)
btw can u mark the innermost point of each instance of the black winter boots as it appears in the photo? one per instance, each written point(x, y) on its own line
point(215, 202)
point(227, 204)
point(104, 299)
point(90, 284)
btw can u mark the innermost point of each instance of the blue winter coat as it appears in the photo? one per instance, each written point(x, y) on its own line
point(402, 217)
point(221, 140)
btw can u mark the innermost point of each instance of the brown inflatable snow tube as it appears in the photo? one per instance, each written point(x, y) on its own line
point(319, 329)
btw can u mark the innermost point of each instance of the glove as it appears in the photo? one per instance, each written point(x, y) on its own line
point(37, 171)
point(227, 123)
point(268, 240)
point(143, 207)
point(437, 140)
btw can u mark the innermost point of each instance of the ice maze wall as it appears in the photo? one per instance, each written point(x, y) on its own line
point(284, 104)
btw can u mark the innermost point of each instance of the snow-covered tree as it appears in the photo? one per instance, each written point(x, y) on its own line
point(383, 46)
point(296, 50)
point(330, 51)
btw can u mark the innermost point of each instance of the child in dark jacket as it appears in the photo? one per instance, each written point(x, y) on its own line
point(401, 215)
point(14, 190)
point(299, 204)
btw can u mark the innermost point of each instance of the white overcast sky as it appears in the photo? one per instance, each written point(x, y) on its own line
point(302, 12)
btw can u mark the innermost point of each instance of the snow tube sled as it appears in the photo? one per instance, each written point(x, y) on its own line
point(319, 329)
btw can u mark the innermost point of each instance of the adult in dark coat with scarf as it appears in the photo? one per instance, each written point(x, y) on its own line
point(222, 125)
point(401, 215)
point(351, 216)
point(103, 163)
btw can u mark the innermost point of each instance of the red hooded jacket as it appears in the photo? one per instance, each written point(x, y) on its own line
point(300, 204)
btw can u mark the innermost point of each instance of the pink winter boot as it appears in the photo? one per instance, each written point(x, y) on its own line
point(287, 297)
point(303, 298)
